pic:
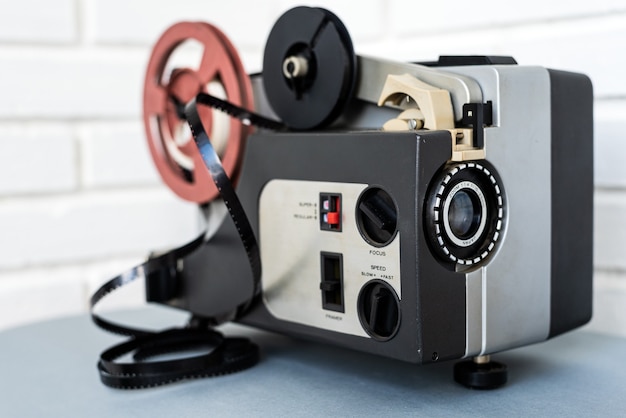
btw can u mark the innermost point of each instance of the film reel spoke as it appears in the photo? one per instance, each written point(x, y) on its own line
point(158, 98)
point(209, 69)
point(166, 91)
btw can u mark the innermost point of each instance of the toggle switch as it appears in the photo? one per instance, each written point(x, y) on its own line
point(330, 212)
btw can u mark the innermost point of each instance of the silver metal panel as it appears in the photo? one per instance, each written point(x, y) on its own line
point(516, 286)
point(474, 312)
point(291, 242)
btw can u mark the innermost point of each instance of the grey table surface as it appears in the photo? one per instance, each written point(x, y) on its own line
point(49, 369)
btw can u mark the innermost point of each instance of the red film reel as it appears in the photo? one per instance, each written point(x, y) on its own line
point(177, 159)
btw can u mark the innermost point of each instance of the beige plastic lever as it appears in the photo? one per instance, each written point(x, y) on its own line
point(434, 103)
point(434, 112)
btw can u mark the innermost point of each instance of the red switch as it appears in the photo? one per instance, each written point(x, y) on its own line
point(332, 218)
point(330, 212)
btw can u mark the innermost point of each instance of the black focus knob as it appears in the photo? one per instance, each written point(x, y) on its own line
point(377, 217)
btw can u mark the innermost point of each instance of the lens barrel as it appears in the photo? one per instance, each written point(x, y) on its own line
point(464, 214)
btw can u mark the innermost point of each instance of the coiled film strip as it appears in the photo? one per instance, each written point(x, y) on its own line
point(225, 355)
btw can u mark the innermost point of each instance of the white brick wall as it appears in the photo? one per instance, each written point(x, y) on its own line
point(81, 201)
point(22, 167)
point(34, 21)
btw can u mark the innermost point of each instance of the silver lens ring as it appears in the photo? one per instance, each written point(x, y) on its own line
point(483, 214)
point(464, 214)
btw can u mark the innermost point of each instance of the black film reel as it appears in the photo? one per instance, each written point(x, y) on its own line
point(309, 67)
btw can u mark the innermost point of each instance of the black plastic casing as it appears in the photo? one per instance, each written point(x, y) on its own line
point(433, 305)
point(572, 200)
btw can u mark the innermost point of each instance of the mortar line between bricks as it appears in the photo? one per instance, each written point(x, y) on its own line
point(605, 98)
point(86, 192)
point(92, 262)
point(516, 25)
point(79, 7)
point(83, 44)
point(65, 119)
point(74, 47)
point(610, 190)
point(78, 160)
point(618, 271)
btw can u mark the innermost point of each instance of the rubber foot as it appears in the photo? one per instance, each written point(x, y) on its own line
point(485, 376)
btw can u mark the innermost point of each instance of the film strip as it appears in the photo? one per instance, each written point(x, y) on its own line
point(224, 355)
